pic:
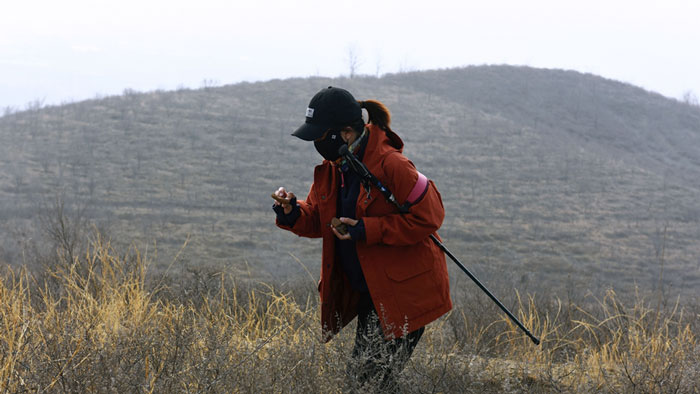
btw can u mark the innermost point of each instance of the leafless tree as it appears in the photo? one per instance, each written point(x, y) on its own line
point(64, 226)
point(35, 105)
point(378, 65)
point(353, 59)
point(209, 83)
point(690, 98)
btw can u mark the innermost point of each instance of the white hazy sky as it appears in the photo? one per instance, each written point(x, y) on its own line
point(69, 50)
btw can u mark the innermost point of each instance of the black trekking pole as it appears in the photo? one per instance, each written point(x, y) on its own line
point(488, 293)
point(367, 177)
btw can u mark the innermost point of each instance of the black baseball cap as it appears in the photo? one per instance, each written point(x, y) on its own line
point(331, 108)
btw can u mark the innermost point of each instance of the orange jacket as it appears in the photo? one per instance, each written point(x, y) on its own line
point(405, 271)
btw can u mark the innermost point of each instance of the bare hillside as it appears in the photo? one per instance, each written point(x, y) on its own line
point(551, 179)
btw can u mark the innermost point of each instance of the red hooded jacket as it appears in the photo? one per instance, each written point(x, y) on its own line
point(405, 271)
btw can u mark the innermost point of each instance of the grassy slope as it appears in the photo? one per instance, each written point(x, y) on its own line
point(556, 178)
point(99, 324)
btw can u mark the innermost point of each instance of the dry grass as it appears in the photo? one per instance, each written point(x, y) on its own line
point(100, 324)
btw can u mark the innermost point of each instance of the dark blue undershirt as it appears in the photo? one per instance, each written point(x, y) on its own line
point(346, 251)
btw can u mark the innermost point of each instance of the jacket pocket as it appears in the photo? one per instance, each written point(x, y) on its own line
point(408, 262)
point(413, 282)
point(401, 272)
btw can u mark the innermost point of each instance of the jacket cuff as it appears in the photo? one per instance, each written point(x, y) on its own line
point(373, 233)
point(357, 232)
point(287, 219)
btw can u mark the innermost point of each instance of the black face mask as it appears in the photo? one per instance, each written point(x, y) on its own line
point(328, 147)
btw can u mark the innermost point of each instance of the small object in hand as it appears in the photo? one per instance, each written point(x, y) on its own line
point(340, 226)
point(280, 199)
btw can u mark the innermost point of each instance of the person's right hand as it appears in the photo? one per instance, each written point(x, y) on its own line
point(282, 193)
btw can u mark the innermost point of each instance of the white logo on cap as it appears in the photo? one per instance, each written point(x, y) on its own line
point(309, 112)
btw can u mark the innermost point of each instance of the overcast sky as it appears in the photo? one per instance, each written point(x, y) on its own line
point(69, 50)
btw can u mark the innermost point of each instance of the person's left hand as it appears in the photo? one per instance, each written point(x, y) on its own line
point(349, 222)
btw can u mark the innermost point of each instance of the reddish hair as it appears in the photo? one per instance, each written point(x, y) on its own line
point(378, 113)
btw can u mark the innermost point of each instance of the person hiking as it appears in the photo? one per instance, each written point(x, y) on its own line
point(378, 265)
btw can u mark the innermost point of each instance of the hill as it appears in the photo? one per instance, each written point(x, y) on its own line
point(551, 179)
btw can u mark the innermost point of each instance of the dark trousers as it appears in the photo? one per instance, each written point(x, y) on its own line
point(375, 361)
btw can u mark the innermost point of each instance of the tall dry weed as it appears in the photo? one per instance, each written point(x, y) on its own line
point(101, 324)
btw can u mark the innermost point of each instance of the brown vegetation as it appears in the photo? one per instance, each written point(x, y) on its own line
point(101, 324)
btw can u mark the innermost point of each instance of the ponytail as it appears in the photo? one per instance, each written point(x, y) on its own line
point(378, 113)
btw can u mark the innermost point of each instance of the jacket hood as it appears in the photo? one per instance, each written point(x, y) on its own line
point(383, 140)
point(394, 139)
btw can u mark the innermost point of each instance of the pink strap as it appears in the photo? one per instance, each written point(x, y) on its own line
point(418, 190)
